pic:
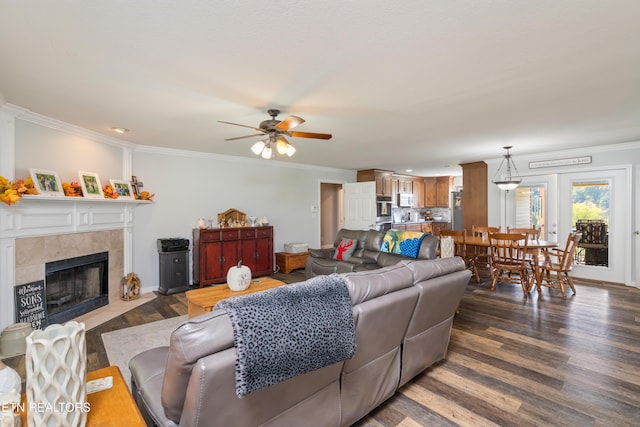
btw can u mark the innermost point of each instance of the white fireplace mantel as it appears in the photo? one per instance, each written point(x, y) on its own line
point(35, 216)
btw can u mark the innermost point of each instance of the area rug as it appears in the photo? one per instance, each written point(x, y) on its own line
point(123, 344)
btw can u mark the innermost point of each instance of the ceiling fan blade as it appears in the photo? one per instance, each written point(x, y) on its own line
point(310, 135)
point(289, 123)
point(242, 137)
point(244, 126)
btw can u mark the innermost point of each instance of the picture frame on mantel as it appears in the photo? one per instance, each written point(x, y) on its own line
point(47, 182)
point(90, 183)
point(122, 188)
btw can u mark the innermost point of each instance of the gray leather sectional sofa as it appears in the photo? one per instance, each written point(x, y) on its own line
point(403, 316)
point(367, 255)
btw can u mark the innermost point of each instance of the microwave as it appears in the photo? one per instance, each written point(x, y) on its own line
point(405, 200)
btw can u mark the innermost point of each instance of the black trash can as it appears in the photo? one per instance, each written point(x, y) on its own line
point(174, 265)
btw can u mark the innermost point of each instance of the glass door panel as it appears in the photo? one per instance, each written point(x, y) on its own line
point(596, 203)
point(531, 208)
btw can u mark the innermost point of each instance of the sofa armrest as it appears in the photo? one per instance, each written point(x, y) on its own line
point(322, 253)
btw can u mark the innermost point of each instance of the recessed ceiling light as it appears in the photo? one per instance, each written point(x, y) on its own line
point(408, 170)
point(120, 130)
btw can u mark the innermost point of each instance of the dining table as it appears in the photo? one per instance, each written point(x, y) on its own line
point(534, 246)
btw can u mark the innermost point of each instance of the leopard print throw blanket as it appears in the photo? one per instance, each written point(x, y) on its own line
point(287, 331)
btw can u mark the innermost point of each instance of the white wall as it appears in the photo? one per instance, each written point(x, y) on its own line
point(190, 185)
point(42, 147)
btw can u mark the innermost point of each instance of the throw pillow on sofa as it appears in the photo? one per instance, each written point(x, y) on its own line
point(345, 249)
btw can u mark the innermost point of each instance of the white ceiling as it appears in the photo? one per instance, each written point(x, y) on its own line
point(409, 84)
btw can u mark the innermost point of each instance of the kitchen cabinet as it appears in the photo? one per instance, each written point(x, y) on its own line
point(215, 251)
point(413, 227)
point(418, 193)
point(437, 191)
point(381, 177)
point(426, 228)
point(437, 226)
point(405, 185)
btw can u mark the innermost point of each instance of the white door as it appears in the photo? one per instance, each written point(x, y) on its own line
point(544, 204)
point(359, 205)
point(617, 218)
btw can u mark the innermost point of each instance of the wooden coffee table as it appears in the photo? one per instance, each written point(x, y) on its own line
point(111, 407)
point(201, 301)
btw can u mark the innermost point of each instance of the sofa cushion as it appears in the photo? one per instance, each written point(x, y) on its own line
point(366, 285)
point(345, 249)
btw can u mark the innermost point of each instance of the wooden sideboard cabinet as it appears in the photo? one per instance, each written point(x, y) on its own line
point(215, 251)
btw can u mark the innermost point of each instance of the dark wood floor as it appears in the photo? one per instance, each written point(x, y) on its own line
point(512, 361)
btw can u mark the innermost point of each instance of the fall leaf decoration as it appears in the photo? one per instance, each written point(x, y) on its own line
point(72, 189)
point(145, 195)
point(10, 192)
point(109, 192)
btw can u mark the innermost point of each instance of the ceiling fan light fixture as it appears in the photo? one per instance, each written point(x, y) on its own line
point(258, 147)
point(267, 152)
point(275, 131)
point(282, 145)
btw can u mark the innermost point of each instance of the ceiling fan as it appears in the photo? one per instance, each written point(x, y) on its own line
point(276, 130)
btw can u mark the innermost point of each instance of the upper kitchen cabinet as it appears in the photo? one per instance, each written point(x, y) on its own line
point(405, 184)
point(382, 179)
point(436, 191)
point(418, 193)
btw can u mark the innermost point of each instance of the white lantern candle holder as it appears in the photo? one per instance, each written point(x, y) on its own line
point(56, 366)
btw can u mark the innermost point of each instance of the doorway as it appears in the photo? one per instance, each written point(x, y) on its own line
point(531, 208)
point(330, 212)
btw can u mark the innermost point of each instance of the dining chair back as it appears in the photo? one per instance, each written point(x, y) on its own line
point(554, 270)
point(459, 239)
point(480, 254)
point(508, 260)
point(531, 233)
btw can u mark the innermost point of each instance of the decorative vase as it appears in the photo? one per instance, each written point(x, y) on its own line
point(239, 277)
point(56, 366)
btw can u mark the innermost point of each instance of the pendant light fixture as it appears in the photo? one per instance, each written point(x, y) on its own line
point(507, 178)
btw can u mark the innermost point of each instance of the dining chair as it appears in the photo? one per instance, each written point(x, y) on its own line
point(531, 233)
point(508, 260)
point(480, 254)
point(459, 239)
point(554, 270)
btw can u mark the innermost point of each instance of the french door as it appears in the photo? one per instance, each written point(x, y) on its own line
point(536, 205)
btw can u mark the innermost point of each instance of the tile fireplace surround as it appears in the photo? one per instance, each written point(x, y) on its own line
point(41, 229)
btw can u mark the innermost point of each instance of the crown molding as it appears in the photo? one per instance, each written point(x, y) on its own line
point(39, 119)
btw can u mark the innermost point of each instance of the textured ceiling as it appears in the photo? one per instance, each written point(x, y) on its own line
point(411, 84)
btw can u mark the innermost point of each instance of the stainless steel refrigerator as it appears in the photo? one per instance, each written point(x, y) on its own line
point(456, 210)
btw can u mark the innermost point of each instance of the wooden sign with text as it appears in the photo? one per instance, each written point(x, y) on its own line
point(31, 304)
